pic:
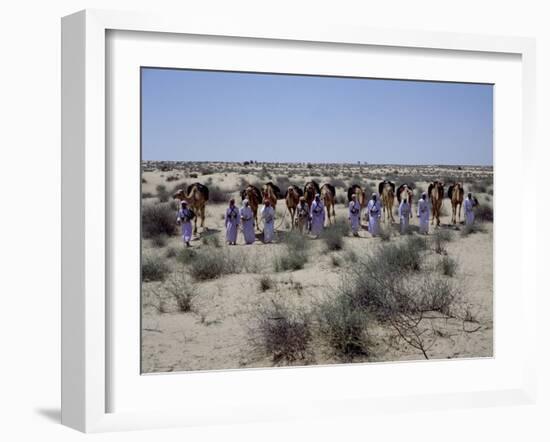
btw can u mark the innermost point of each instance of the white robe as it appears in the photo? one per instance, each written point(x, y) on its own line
point(232, 221)
point(317, 214)
point(247, 218)
point(469, 211)
point(268, 216)
point(374, 213)
point(423, 216)
point(186, 227)
point(354, 210)
point(404, 215)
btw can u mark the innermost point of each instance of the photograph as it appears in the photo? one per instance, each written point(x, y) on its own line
point(303, 220)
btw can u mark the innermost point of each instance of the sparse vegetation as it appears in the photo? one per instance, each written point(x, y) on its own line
point(484, 212)
point(153, 268)
point(266, 283)
point(333, 235)
point(448, 266)
point(157, 219)
point(283, 334)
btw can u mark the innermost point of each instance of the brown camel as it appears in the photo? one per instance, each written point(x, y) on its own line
point(310, 190)
point(328, 195)
point(196, 196)
point(436, 193)
point(360, 194)
point(386, 190)
point(254, 197)
point(456, 193)
point(404, 191)
point(292, 197)
point(271, 192)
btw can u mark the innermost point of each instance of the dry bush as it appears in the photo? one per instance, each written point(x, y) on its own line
point(217, 195)
point(178, 290)
point(157, 219)
point(282, 334)
point(159, 240)
point(212, 262)
point(473, 228)
point(333, 235)
point(448, 266)
point(439, 239)
point(185, 255)
point(344, 327)
point(484, 212)
point(266, 283)
point(211, 240)
point(294, 255)
point(162, 193)
point(153, 268)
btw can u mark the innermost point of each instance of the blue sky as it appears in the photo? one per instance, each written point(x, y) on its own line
point(224, 116)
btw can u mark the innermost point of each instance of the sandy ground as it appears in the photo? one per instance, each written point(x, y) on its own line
point(217, 333)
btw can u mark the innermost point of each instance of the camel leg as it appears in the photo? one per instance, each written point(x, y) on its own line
point(459, 209)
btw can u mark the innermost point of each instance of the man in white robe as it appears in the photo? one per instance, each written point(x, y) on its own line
point(317, 214)
point(232, 221)
point(423, 214)
point(354, 210)
point(247, 218)
point(184, 217)
point(404, 215)
point(374, 212)
point(268, 216)
point(469, 204)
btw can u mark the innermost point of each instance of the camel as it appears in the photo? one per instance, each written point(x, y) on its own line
point(271, 192)
point(404, 191)
point(360, 194)
point(292, 197)
point(254, 197)
point(310, 190)
point(386, 190)
point(456, 193)
point(328, 195)
point(436, 193)
point(196, 196)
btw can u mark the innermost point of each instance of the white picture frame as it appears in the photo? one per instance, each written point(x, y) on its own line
point(85, 217)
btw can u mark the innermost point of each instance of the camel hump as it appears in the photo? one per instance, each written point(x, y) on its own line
point(450, 191)
point(331, 189)
point(275, 188)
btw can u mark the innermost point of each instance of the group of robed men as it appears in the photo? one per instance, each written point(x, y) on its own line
point(314, 217)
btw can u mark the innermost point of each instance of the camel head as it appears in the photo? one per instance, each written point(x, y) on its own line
point(179, 195)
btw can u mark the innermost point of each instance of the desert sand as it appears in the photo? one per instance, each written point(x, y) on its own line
point(219, 330)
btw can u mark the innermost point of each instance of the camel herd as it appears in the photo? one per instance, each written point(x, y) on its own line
point(197, 195)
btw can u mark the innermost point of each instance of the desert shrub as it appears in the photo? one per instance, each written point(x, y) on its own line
point(266, 283)
point(186, 255)
point(481, 186)
point(283, 334)
point(472, 228)
point(211, 240)
point(217, 195)
point(385, 233)
point(193, 175)
point(351, 256)
point(335, 261)
point(170, 178)
point(448, 266)
point(406, 256)
point(212, 262)
point(153, 268)
point(438, 294)
point(341, 199)
point(162, 193)
point(344, 327)
point(439, 239)
point(333, 236)
point(146, 195)
point(157, 219)
point(484, 212)
point(143, 180)
point(207, 171)
point(291, 259)
point(339, 182)
point(179, 288)
point(282, 182)
point(171, 252)
point(159, 240)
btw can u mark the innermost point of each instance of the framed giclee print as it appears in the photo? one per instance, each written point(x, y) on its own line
point(268, 222)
